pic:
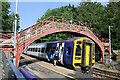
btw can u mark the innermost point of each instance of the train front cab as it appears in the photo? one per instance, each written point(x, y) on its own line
point(84, 53)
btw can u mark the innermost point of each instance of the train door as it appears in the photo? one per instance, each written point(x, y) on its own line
point(62, 53)
point(68, 52)
point(52, 49)
point(60, 47)
point(87, 53)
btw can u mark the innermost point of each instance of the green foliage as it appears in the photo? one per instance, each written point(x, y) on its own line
point(111, 66)
point(99, 17)
point(63, 12)
point(0, 16)
point(93, 14)
point(7, 18)
point(113, 19)
point(54, 37)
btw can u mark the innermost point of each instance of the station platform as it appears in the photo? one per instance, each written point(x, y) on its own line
point(1, 66)
point(46, 70)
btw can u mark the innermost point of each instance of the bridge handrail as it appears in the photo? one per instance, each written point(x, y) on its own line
point(88, 26)
point(7, 64)
point(70, 21)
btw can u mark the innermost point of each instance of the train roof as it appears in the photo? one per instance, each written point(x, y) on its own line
point(66, 40)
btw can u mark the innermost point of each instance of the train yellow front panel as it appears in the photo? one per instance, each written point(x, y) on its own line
point(87, 54)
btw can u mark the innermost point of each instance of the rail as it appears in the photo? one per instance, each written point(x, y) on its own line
point(106, 74)
point(9, 71)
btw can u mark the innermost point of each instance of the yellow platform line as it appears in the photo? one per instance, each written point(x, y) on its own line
point(50, 68)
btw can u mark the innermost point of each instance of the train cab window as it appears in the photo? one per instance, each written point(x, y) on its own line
point(78, 42)
point(78, 50)
point(68, 50)
point(43, 50)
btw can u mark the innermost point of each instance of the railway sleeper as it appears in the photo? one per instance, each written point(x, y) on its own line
point(105, 75)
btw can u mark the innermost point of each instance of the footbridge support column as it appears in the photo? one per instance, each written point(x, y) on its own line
point(103, 56)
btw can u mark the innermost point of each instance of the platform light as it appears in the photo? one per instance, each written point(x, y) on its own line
point(110, 41)
point(14, 59)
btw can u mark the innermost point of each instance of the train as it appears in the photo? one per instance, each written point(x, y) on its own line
point(78, 52)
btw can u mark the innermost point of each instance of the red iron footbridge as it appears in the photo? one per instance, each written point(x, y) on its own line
point(49, 26)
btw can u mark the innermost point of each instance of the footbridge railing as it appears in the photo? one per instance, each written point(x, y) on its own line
point(60, 23)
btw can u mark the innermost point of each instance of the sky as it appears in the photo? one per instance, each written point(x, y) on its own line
point(29, 12)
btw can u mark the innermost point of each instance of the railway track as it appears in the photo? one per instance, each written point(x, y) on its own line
point(105, 74)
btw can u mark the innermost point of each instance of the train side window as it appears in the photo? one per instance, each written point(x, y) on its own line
point(35, 49)
point(78, 42)
point(38, 49)
point(43, 50)
point(78, 50)
point(31, 49)
point(68, 50)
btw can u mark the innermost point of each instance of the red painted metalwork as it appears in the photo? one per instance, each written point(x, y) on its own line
point(6, 38)
point(8, 49)
point(53, 25)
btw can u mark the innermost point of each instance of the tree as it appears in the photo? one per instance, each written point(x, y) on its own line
point(7, 18)
point(93, 14)
point(0, 16)
point(63, 12)
point(113, 19)
point(99, 17)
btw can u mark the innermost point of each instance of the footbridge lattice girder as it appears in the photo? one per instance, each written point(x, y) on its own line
point(53, 25)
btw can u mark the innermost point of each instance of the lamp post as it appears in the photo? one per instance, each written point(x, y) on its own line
point(110, 41)
point(14, 58)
